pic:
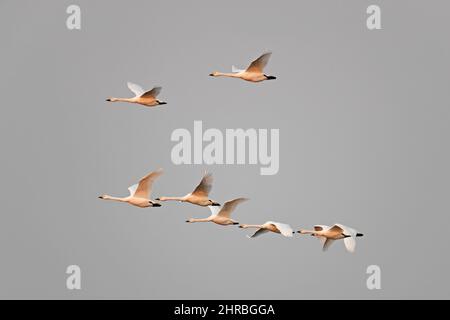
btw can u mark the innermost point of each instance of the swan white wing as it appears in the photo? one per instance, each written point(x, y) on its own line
point(133, 189)
point(327, 243)
point(214, 210)
point(346, 230)
point(321, 227)
point(285, 229)
point(152, 93)
point(350, 244)
point(322, 240)
point(136, 89)
point(258, 232)
point(236, 70)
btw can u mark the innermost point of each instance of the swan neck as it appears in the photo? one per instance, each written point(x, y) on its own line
point(231, 75)
point(114, 198)
point(172, 198)
point(200, 220)
point(246, 226)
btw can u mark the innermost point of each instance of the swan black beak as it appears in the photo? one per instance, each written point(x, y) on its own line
point(271, 78)
point(108, 99)
point(156, 205)
point(359, 234)
point(158, 199)
point(162, 103)
point(211, 74)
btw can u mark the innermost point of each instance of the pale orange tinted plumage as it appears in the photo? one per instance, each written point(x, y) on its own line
point(327, 235)
point(221, 215)
point(146, 98)
point(139, 193)
point(269, 226)
point(200, 195)
point(254, 72)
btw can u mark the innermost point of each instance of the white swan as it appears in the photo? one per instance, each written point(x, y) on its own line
point(146, 98)
point(269, 226)
point(254, 72)
point(140, 192)
point(327, 235)
point(221, 215)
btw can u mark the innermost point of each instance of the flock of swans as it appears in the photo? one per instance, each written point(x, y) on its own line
point(140, 193)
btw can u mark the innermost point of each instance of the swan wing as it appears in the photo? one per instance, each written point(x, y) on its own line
point(259, 64)
point(321, 227)
point(229, 207)
point(284, 228)
point(236, 70)
point(205, 186)
point(258, 232)
point(144, 188)
point(326, 242)
point(152, 93)
point(346, 230)
point(350, 240)
point(335, 230)
point(133, 189)
point(136, 89)
point(350, 244)
point(214, 210)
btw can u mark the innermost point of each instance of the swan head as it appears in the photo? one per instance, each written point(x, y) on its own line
point(189, 220)
point(154, 204)
point(214, 74)
point(270, 77)
point(104, 196)
point(214, 204)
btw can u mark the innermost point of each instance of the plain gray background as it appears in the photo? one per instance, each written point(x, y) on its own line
point(364, 126)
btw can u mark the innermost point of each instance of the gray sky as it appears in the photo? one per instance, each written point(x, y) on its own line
point(363, 119)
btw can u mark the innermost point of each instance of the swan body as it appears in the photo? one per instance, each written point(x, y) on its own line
point(269, 226)
point(254, 72)
point(146, 98)
point(139, 193)
point(221, 215)
point(200, 196)
point(327, 235)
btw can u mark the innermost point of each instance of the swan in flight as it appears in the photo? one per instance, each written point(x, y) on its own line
point(200, 196)
point(327, 235)
point(269, 226)
point(254, 72)
point(221, 215)
point(140, 192)
point(146, 98)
